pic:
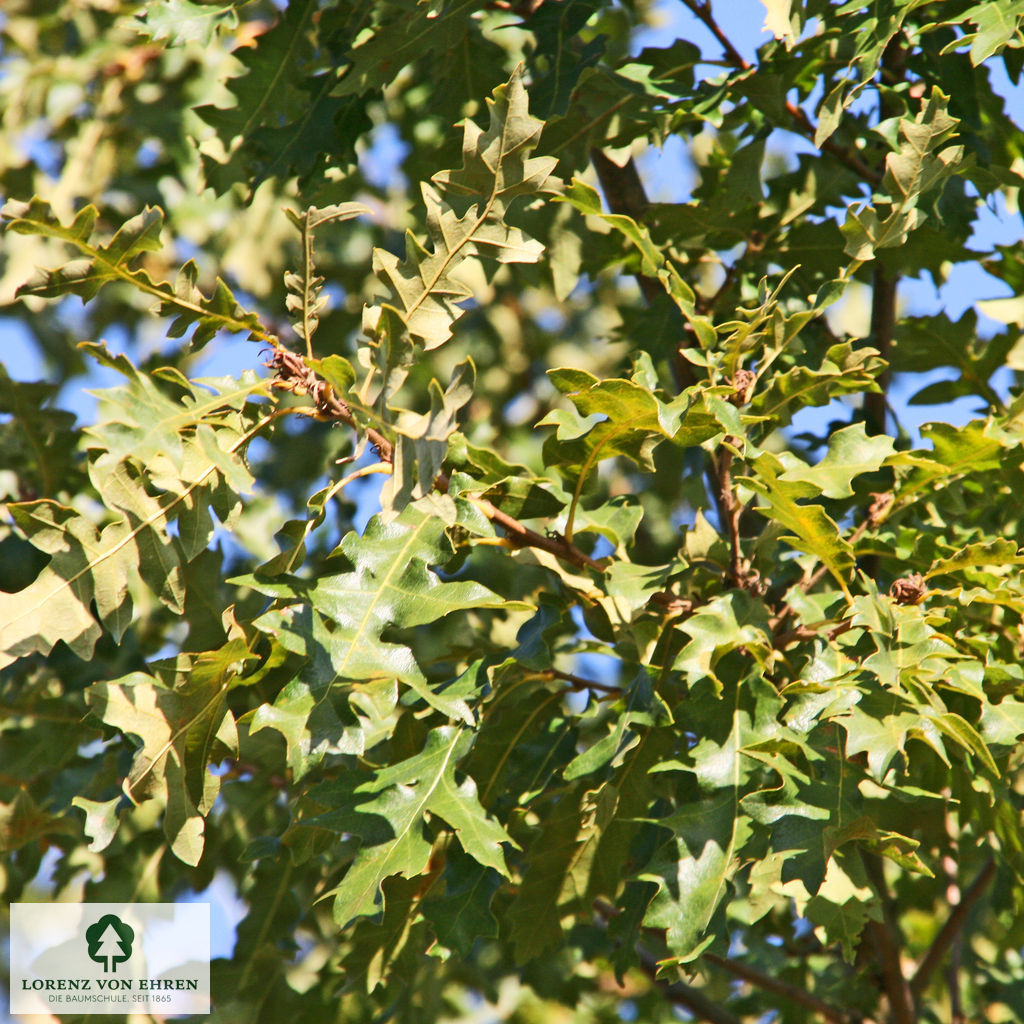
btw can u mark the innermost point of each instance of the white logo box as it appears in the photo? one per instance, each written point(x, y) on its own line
point(110, 958)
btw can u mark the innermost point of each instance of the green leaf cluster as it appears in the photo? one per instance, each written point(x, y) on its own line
point(568, 613)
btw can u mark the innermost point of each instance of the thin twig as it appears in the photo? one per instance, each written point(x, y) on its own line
point(783, 640)
point(292, 374)
point(953, 927)
point(677, 992)
point(833, 1014)
point(579, 683)
point(701, 9)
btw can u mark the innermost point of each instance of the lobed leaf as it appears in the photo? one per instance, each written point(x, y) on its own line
point(107, 263)
point(390, 812)
point(496, 169)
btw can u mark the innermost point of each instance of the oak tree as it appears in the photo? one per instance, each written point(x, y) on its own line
point(465, 498)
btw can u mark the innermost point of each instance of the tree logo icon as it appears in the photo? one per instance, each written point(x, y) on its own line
point(110, 941)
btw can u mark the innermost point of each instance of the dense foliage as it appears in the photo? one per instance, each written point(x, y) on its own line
point(520, 593)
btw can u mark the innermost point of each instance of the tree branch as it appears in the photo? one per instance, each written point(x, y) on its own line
point(701, 9)
point(783, 640)
point(833, 1014)
point(625, 195)
point(885, 937)
point(684, 995)
point(953, 927)
point(677, 992)
point(731, 512)
point(292, 374)
point(883, 327)
point(579, 683)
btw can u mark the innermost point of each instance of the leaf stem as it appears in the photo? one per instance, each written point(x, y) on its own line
point(625, 195)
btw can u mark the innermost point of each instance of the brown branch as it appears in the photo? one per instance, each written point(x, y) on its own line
point(953, 927)
point(732, 510)
point(833, 1014)
point(783, 640)
point(677, 992)
point(579, 683)
point(292, 374)
point(701, 9)
point(523, 537)
point(884, 282)
point(883, 327)
point(885, 937)
point(625, 195)
point(951, 869)
point(684, 995)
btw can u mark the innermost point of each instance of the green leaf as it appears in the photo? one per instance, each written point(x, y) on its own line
point(616, 417)
point(918, 167)
point(843, 908)
point(461, 914)
point(182, 21)
point(390, 814)
point(879, 726)
point(555, 27)
point(534, 917)
point(844, 370)
point(107, 263)
point(725, 623)
point(337, 620)
point(496, 169)
point(813, 531)
point(271, 68)
point(101, 820)
point(380, 56)
point(183, 722)
point(639, 706)
point(850, 453)
point(311, 728)
point(653, 262)
point(189, 450)
point(1002, 723)
point(996, 25)
point(304, 301)
point(870, 31)
point(422, 442)
point(692, 871)
point(993, 553)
